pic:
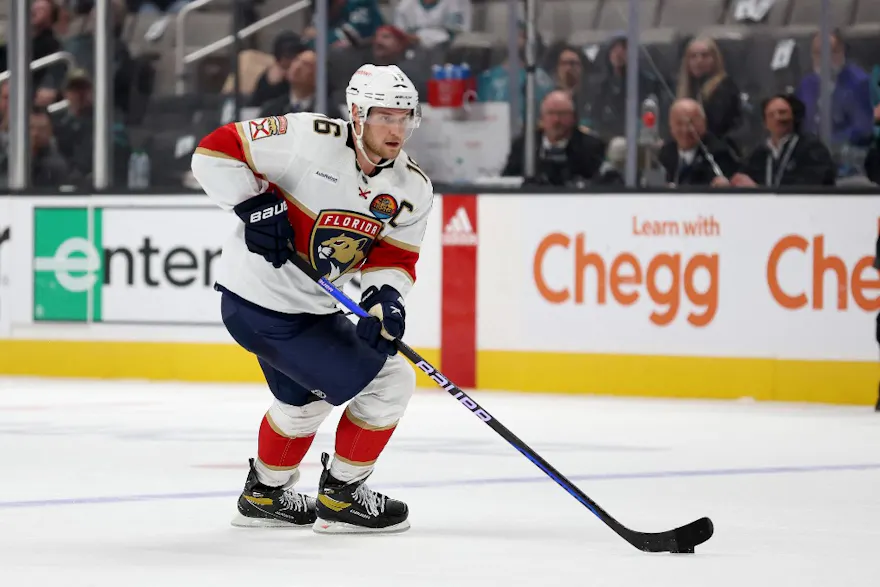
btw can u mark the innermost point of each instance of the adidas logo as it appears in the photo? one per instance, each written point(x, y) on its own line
point(459, 231)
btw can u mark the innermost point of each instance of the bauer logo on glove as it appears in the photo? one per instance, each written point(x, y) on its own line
point(279, 208)
point(388, 320)
point(267, 231)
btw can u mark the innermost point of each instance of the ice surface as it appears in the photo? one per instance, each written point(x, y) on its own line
point(129, 483)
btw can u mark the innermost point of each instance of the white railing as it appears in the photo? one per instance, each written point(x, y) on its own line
point(183, 59)
point(46, 61)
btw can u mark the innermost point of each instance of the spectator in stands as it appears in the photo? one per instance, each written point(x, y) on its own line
point(48, 168)
point(75, 130)
point(702, 76)
point(851, 116)
point(44, 14)
point(432, 22)
point(273, 84)
point(390, 46)
point(565, 154)
point(349, 23)
point(569, 77)
point(82, 47)
point(872, 160)
point(607, 113)
point(301, 78)
point(790, 156)
point(687, 161)
point(493, 85)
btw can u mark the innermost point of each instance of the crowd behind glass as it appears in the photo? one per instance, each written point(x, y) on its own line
point(705, 133)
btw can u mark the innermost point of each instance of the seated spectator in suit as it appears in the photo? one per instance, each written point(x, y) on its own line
point(851, 116)
point(790, 156)
point(350, 23)
point(704, 78)
point(430, 23)
point(872, 160)
point(684, 158)
point(273, 84)
point(565, 154)
point(301, 98)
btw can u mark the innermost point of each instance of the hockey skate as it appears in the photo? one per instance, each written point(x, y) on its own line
point(262, 506)
point(353, 508)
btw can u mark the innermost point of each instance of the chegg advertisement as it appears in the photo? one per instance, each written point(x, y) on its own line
point(773, 277)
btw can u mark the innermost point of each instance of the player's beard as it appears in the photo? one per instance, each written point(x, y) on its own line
point(379, 150)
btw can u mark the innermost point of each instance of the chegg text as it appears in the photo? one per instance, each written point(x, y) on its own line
point(625, 275)
point(860, 281)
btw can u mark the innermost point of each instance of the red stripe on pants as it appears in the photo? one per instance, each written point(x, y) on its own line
point(277, 450)
point(359, 445)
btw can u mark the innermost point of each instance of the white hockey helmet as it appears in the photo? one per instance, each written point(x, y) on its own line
point(382, 86)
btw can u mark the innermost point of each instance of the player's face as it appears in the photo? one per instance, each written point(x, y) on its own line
point(386, 129)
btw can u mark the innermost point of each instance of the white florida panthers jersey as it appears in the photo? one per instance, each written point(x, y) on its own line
point(343, 220)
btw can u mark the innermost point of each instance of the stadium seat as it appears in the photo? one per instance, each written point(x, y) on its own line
point(863, 39)
point(776, 15)
point(496, 18)
point(688, 16)
point(479, 50)
point(554, 19)
point(863, 44)
point(809, 12)
point(664, 48)
point(614, 14)
point(789, 74)
point(204, 28)
point(583, 14)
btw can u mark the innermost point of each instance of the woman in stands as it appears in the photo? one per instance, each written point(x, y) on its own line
point(702, 77)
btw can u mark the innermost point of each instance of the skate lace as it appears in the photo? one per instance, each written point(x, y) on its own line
point(373, 502)
point(292, 500)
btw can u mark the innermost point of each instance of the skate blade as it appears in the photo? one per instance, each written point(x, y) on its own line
point(325, 527)
point(240, 521)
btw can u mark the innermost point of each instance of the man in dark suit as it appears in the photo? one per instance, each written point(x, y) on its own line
point(689, 155)
point(790, 156)
point(566, 155)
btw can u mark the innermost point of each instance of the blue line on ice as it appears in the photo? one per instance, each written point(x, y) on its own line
point(456, 483)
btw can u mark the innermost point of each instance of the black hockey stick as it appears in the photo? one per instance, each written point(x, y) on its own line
point(680, 540)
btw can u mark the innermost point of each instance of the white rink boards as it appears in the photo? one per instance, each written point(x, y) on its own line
point(131, 484)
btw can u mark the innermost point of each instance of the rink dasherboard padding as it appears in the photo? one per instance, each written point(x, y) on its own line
point(126, 265)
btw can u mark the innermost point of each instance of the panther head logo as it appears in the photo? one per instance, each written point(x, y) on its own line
point(343, 252)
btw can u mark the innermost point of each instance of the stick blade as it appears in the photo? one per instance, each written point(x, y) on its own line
point(681, 540)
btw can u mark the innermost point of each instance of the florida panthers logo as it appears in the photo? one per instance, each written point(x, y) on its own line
point(341, 241)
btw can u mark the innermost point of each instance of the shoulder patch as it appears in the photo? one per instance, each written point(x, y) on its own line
point(262, 128)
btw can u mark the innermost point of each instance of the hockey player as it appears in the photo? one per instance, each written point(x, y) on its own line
point(346, 197)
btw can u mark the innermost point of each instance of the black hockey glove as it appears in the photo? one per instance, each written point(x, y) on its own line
point(267, 231)
point(388, 318)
